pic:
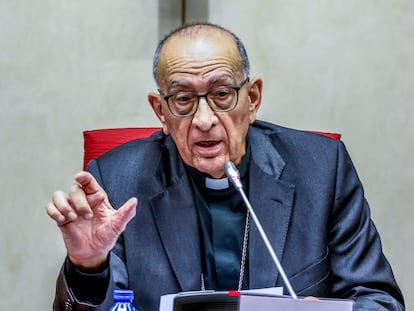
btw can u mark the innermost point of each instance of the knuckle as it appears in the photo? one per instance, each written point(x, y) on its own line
point(100, 195)
point(62, 203)
point(49, 208)
point(74, 188)
point(56, 195)
point(97, 198)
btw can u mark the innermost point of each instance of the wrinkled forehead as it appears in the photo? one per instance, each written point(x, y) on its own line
point(194, 53)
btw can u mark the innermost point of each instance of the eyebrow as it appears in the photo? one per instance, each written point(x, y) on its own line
point(213, 80)
point(224, 78)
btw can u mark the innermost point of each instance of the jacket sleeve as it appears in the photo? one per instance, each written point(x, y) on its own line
point(66, 299)
point(359, 268)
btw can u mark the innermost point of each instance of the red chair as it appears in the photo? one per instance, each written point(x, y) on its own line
point(335, 136)
point(97, 142)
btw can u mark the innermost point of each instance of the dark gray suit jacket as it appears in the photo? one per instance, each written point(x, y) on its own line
point(306, 194)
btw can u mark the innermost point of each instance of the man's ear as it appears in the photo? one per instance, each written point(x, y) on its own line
point(255, 97)
point(154, 100)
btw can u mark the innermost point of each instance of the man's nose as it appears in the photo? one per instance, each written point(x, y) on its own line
point(205, 117)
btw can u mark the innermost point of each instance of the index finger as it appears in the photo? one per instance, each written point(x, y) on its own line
point(88, 183)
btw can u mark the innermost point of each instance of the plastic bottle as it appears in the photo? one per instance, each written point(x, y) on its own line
point(123, 300)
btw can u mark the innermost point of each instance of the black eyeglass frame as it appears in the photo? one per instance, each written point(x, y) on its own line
point(236, 88)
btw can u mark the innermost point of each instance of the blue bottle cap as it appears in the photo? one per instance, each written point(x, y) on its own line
point(123, 294)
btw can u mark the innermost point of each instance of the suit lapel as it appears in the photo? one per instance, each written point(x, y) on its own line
point(176, 218)
point(272, 200)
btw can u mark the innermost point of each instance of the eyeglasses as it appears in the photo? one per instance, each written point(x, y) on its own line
point(219, 99)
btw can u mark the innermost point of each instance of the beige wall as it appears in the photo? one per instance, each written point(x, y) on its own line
point(66, 66)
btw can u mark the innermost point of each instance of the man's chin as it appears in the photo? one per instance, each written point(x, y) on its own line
point(211, 166)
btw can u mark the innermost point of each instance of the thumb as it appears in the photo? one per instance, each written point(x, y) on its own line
point(124, 214)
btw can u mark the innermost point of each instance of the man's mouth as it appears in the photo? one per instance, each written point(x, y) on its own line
point(207, 143)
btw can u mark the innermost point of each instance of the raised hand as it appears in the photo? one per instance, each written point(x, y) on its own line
point(90, 226)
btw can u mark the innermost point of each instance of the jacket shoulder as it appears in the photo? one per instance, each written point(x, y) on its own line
point(295, 136)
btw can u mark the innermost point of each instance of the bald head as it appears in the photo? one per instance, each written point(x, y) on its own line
point(194, 35)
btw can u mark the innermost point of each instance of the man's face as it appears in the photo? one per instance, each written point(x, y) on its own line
point(207, 139)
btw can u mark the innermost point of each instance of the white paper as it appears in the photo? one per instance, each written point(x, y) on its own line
point(276, 291)
point(286, 303)
point(167, 302)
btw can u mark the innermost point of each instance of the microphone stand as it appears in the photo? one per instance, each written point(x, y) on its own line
point(234, 177)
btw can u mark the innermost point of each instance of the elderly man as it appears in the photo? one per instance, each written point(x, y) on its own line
point(190, 229)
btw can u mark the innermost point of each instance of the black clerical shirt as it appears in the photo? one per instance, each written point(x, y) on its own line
point(222, 217)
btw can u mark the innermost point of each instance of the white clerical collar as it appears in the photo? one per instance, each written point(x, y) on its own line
point(217, 184)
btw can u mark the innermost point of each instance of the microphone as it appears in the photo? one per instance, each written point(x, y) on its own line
point(233, 175)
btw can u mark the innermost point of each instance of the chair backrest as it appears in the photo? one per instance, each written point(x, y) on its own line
point(97, 142)
point(335, 136)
